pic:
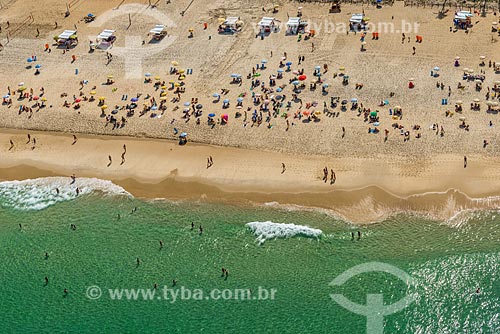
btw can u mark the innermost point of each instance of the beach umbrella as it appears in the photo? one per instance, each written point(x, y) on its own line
point(235, 75)
point(306, 112)
point(376, 123)
point(175, 63)
point(436, 69)
point(93, 92)
point(163, 98)
point(181, 71)
point(266, 102)
point(225, 117)
point(263, 61)
point(457, 58)
point(354, 100)
point(183, 135)
point(163, 94)
point(317, 67)
point(470, 70)
point(295, 72)
point(38, 66)
point(411, 79)
point(44, 99)
point(489, 103)
point(177, 84)
point(76, 101)
point(494, 104)
point(6, 96)
point(29, 60)
point(279, 89)
point(134, 99)
point(157, 77)
point(462, 118)
point(216, 95)
point(187, 104)
point(35, 98)
point(191, 30)
point(110, 76)
point(373, 114)
point(295, 83)
point(478, 80)
point(147, 74)
point(102, 98)
point(20, 84)
point(280, 70)
point(363, 43)
point(288, 63)
point(497, 82)
point(341, 68)
point(104, 107)
point(226, 101)
point(476, 100)
point(465, 69)
point(199, 106)
point(185, 110)
point(211, 115)
point(326, 85)
point(239, 99)
point(397, 107)
point(482, 57)
point(22, 88)
point(302, 77)
point(317, 113)
point(459, 102)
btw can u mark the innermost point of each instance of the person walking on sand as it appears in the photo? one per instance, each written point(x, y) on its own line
point(110, 160)
point(73, 179)
point(74, 140)
point(124, 148)
point(283, 167)
point(465, 161)
point(11, 145)
point(123, 158)
point(29, 139)
point(34, 143)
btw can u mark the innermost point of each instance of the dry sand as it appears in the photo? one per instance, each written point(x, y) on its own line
point(374, 177)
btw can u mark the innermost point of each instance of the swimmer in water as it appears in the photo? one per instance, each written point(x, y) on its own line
point(174, 282)
point(46, 255)
point(20, 226)
point(352, 235)
point(73, 179)
point(155, 286)
point(46, 280)
point(359, 235)
point(77, 191)
point(57, 191)
point(66, 292)
point(478, 291)
point(118, 216)
point(201, 229)
point(161, 244)
point(138, 262)
point(192, 226)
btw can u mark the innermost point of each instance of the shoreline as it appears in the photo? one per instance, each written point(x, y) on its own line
point(367, 190)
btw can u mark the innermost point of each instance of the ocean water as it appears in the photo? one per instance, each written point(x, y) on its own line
point(295, 253)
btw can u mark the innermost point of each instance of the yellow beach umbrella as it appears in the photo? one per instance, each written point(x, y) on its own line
point(177, 84)
point(181, 71)
point(102, 98)
point(110, 76)
point(44, 99)
point(104, 107)
point(93, 92)
point(221, 20)
point(157, 77)
point(163, 87)
point(175, 63)
point(171, 81)
point(163, 98)
point(317, 113)
point(22, 88)
point(191, 29)
point(162, 94)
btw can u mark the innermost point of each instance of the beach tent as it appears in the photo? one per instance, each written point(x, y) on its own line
point(230, 25)
point(357, 22)
point(462, 19)
point(295, 25)
point(158, 32)
point(267, 24)
point(105, 39)
point(67, 37)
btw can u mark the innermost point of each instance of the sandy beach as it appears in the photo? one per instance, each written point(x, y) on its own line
point(367, 190)
point(384, 165)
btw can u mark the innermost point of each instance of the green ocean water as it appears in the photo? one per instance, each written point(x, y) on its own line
point(448, 263)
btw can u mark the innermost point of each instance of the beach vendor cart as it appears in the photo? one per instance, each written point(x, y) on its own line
point(158, 32)
point(67, 38)
point(105, 39)
point(230, 25)
point(463, 19)
point(295, 26)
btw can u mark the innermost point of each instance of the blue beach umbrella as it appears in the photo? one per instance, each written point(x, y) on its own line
point(134, 99)
point(38, 66)
point(183, 135)
point(288, 63)
point(154, 108)
point(235, 75)
point(187, 104)
point(211, 115)
point(280, 70)
point(295, 83)
point(147, 74)
point(263, 61)
point(240, 99)
point(354, 100)
point(6, 96)
point(226, 101)
point(436, 69)
point(29, 60)
point(216, 95)
point(279, 89)
point(326, 85)
point(317, 67)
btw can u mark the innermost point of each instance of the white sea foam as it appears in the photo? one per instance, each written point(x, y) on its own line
point(38, 194)
point(269, 230)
